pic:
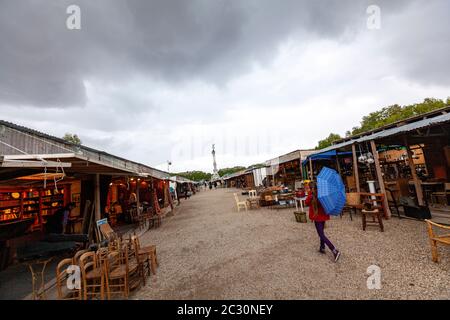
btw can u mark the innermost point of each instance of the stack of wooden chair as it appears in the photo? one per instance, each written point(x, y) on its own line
point(112, 271)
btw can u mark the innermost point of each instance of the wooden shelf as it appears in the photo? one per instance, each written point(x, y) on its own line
point(32, 204)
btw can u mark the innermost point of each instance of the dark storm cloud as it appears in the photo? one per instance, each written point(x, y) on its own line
point(419, 42)
point(44, 64)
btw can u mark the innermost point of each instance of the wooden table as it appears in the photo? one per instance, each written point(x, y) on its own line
point(253, 202)
point(287, 197)
point(38, 277)
point(428, 188)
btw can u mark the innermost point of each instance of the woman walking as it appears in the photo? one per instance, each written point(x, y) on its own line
point(318, 215)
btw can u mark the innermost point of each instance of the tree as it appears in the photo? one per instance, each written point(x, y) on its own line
point(394, 113)
point(257, 165)
point(387, 115)
point(328, 141)
point(194, 175)
point(232, 170)
point(72, 138)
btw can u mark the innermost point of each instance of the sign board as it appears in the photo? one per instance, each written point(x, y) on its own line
point(102, 221)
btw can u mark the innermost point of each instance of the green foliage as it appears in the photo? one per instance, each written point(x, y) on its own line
point(257, 165)
point(328, 141)
point(394, 113)
point(194, 175)
point(72, 138)
point(232, 170)
point(388, 115)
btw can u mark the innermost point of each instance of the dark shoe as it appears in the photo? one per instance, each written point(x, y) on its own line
point(321, 250)
point(336, 254)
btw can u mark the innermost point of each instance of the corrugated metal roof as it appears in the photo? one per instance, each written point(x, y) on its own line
point(294, 155)
point(392, 131)
point(181, 179)
point(108, 159)
point(234, 175)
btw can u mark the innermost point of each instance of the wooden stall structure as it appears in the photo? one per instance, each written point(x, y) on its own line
point(40, 174)
point(241, 179)
point(406, 159)
point(287, 169)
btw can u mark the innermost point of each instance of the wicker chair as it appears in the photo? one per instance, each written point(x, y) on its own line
point(64, 292)
point(443, 239)
point(93, 280)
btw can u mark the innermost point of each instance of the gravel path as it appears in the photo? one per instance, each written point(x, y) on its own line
point(207, 250)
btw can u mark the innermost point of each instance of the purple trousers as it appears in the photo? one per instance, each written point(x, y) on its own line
point(320, 225)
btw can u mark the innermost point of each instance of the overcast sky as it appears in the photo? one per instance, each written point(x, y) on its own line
point(162, 80)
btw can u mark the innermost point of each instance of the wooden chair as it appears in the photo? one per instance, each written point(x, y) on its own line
point(443, 239)
point(141, 261)
point(373, 204)
point(115, 268)
point(148, 251)
point(252, 194)
point(240, 204)
point(108, 232)
point(64, 293)
point(442, 195)
point(92, 275)
point(392, 202)
point(353, 203)
point(78, 254)
point(144, 261)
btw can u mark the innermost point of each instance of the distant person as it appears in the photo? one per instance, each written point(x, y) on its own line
point(57, 222)
point(318, 215)
point(172, 192)
point(215, 184)
point(210, 185)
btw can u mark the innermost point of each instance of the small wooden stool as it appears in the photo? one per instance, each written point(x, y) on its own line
point(376, 215)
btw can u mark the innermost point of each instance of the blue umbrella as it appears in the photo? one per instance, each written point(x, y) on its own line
point(331, 191)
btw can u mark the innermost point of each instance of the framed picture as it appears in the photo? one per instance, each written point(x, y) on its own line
point(76, 197)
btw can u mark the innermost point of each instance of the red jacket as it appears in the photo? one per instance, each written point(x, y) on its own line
point(321, 216)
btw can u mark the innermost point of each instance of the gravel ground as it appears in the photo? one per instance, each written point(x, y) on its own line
point(207, 250)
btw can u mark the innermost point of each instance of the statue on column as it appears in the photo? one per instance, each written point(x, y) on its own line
point(215, 175)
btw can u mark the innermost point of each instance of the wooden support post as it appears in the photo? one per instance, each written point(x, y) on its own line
point(380, 178)
point(355, 168)
point(338, 166)
point(97, 197)
point(138, 182)
point(301, 168)
point(311, 173)
point(417, 184)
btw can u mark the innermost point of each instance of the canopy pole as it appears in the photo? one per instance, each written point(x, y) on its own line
point(97, 197)
point(355, 168)
point(417, 184)
point(380, 178)
point(338, 166)
point(311, 173)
